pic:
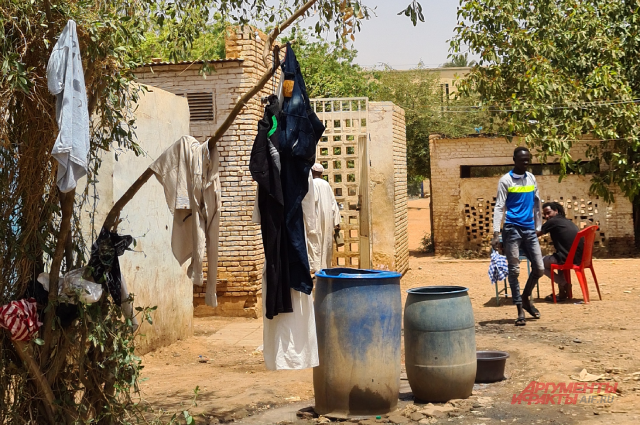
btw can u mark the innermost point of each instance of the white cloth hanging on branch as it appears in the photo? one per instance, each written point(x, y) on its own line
point(188, 171)
point(65, 79)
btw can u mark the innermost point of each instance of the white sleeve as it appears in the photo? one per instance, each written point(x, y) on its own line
point(498, 211)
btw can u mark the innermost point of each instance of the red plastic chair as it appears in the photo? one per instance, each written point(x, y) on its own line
point(589, 234)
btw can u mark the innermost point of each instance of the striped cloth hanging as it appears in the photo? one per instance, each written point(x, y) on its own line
point(20, 318)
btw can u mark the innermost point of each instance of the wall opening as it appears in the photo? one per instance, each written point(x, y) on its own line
point(480, 171)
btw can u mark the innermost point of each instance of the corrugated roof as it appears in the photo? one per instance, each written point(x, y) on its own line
point(200, 62)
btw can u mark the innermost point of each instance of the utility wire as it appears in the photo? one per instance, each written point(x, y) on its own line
point(474, 132)
point(478, 109)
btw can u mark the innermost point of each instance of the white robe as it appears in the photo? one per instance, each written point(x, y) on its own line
point(188, 171)
point(289, 339)
point(65, 80)
point(327, 218)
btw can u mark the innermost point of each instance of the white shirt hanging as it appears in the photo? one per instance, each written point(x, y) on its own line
point(188, 171)
point(65, 79)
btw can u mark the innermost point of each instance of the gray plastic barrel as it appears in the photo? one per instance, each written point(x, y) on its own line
point(440, 343)
point(358, 320)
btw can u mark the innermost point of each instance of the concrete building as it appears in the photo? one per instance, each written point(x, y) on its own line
point(447, 77)
point(464, 181)
point(151, 272)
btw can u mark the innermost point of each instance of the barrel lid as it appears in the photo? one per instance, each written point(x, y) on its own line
point(437, 290)
point(346, 273)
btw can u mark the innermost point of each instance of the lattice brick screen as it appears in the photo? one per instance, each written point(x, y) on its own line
point(583, 211)
point(346, 123)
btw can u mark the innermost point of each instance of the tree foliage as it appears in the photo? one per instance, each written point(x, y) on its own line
point(428, 110)
point(558, 72)
point(459, 61)
point(329, 69)
point(208, 45)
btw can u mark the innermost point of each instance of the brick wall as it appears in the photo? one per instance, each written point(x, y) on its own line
point(400, 193)
point(463, 208)
point(241, 254)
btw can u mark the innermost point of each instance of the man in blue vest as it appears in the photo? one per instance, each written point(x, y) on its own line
point(518, 202)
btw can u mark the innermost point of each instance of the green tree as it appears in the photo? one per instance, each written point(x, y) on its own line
point(560, 72)
point(328, 67)
point(459, 61)
point(329, 70)
point(208, 45)
point(428, 110)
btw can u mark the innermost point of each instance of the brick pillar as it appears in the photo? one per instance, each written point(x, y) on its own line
point(241, 255)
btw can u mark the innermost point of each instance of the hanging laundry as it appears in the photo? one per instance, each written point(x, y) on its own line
point(105, 268)
point(104, 261)
point(20, 318)
point(290, 340)
point(188, 171)
point(300, 131)
point(65, 79)
point(264, 165)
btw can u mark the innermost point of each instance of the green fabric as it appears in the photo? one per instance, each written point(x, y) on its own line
point(521, 189)
point(274, 127)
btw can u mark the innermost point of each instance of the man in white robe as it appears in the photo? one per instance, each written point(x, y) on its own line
point(290, 339)
point(327, 215)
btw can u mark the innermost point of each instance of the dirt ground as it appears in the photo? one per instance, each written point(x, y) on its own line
point(419, 221)
point(601, 337)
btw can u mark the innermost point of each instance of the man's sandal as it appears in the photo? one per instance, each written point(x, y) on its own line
point(559, 298)
point(521, 321)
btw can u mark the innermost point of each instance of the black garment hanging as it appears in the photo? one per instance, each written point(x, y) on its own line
point(301, 130)
point(104, 261)
point(264, 167)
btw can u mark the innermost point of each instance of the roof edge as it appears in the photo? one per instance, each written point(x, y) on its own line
point(198, 62)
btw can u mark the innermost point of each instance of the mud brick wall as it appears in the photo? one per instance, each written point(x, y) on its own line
point(463, 207)
point(241, 254)
point(388, 187)
point(401, 217)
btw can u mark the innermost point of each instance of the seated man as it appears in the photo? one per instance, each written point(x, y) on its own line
point(563, 232)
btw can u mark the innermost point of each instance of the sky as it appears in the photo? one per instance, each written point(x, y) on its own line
point(392, 39)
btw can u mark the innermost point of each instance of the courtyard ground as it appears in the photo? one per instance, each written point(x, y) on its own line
point(601, 337)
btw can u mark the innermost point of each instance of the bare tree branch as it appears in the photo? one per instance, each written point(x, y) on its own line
point(66, 201)
point(41, 381)
point(268, 46)
point(112, 218)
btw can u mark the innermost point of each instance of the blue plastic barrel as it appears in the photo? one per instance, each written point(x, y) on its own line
point(358, 320)
point(440, 343)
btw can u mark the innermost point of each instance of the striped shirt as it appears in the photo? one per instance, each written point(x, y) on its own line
point(518, 201)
